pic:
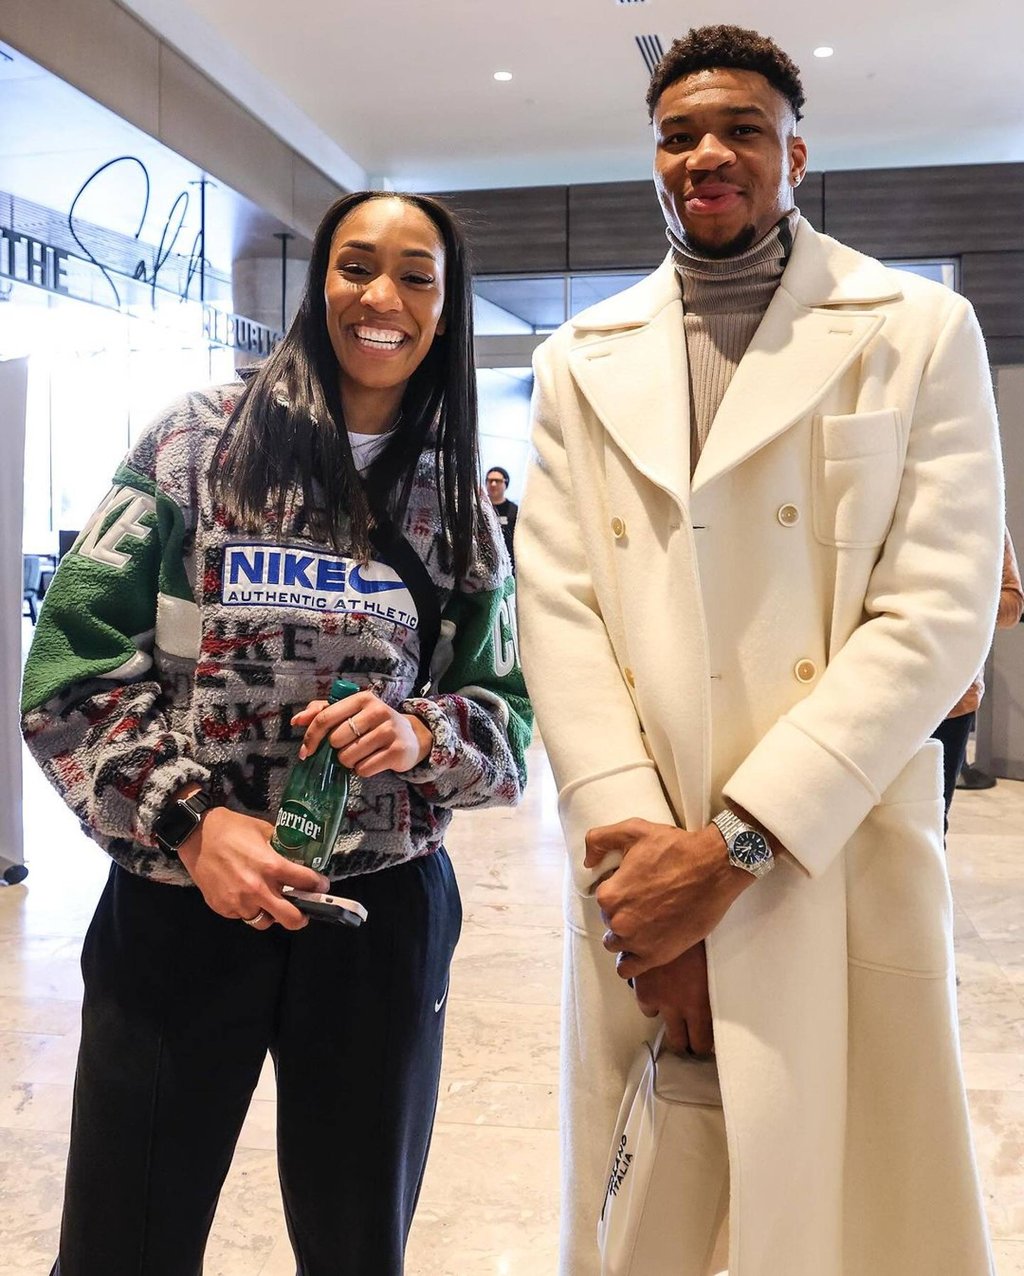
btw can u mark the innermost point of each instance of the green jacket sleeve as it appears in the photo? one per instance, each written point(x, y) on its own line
point(94, 714)
point(480, 716)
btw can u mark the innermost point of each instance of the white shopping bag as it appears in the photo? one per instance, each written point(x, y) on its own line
point(667, 1185)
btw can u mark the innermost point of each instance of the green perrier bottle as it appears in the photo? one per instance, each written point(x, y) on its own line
point(313, 802)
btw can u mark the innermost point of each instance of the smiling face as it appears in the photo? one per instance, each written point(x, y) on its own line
point(384, 297)
point(726, 159)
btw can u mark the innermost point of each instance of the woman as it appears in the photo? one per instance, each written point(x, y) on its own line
point(259, 542)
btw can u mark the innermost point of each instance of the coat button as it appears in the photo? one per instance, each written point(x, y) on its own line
point(618, 528)
point(788, 515)
point(629, 676)
point(805, 670)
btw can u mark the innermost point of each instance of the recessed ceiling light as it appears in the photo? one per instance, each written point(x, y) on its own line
point(503, 75)
point(824, 51)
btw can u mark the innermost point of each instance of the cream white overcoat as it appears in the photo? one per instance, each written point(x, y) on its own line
point(785, 629)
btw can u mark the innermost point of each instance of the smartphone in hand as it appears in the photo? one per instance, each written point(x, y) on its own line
point(326, 908)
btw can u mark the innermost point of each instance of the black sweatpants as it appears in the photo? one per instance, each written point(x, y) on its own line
point(953, 733)
point(181, 1006)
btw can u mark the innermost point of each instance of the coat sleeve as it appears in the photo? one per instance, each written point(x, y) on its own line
point(480, 717)
point(590, 726)
point(94, 714)
point(929, 611)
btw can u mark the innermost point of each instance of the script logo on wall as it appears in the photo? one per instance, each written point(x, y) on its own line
point(70, 257)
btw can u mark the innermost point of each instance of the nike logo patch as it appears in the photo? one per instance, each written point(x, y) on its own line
point(261, 574)
point(362, 586)
point(444, 998)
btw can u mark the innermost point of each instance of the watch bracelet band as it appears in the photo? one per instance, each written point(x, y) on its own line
point(729, 824)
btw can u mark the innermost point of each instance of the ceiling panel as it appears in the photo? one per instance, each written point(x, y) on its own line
point(406, 88)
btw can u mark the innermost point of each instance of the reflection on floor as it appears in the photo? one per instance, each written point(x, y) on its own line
point(489, 1203)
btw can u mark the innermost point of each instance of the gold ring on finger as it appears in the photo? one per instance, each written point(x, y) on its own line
point(356, 733)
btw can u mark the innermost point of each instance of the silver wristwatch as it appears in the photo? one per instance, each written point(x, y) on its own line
point(748, 846)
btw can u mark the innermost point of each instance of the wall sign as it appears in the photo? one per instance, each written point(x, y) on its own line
point(110, 273)
point(27, 261)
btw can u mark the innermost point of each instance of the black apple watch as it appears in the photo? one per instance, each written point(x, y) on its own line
point(179, 820)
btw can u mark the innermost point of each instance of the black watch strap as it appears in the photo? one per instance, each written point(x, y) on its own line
point(179, 820)
point(198, 802)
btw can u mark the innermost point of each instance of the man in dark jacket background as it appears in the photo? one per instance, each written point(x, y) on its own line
point(506, 510)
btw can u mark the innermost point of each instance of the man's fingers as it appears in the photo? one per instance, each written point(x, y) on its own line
point(607, 898)
point(649, 1008)
point(629, 965)
point(702, 1036)
point(608, 838)
point(677, 1036)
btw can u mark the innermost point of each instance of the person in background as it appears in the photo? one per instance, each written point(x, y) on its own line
point(758, 559)
point(259, 541)
point(506, 510)
point(955, 729)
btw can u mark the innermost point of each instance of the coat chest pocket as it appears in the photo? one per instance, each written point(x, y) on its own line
point(856, 466)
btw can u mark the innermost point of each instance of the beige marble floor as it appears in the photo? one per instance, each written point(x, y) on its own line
point(489, 1203)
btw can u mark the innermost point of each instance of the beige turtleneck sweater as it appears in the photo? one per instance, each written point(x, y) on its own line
point(724, 300)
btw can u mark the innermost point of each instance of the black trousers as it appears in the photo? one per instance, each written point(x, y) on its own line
point(953, 734)
point(180, 1008)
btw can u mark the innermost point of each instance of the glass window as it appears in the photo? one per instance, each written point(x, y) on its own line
point(505, 306)
point(942, 272)
point(511, 316)
point(504, 398)
point(588, 290)
point(97, 377)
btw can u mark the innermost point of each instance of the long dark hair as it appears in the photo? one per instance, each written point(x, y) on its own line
point(288, 426)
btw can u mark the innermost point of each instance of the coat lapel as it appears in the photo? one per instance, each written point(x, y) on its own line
point(629, 360)
point(630, 363)
point(810, 334)
point(794, 357)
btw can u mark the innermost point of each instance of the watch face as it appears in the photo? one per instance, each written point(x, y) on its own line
point(175, 824)
point(749, 847)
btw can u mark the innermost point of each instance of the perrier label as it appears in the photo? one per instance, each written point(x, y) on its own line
point(313, 803)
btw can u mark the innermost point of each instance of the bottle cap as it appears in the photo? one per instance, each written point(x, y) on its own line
point(340, 688)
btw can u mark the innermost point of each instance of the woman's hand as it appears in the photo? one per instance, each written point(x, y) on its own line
point(368, 735)
point(230, 859)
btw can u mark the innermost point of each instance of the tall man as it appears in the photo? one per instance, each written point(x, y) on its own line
point(759, 552)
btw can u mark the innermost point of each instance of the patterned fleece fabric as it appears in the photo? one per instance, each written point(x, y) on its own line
point(172, 647)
